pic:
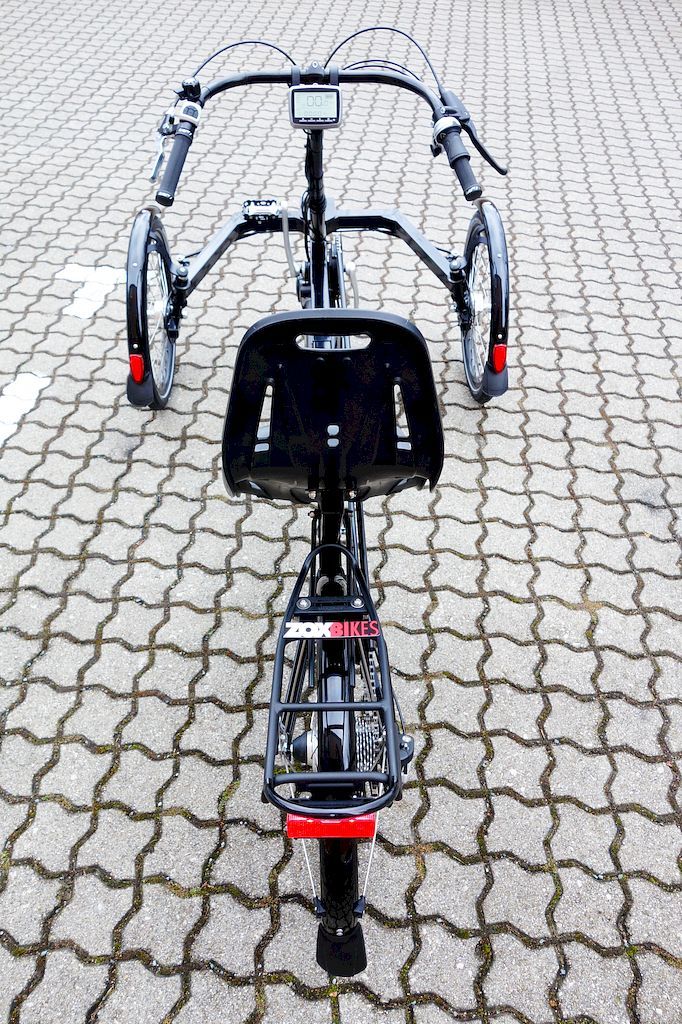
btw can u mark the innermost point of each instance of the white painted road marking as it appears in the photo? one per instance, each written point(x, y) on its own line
point(97, 283)
point(17, 399)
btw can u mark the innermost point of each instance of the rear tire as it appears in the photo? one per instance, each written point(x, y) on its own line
point(339, 883)
point(340, 942)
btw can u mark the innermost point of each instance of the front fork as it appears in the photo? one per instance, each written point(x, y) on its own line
point(459, 290)
point(177, 300)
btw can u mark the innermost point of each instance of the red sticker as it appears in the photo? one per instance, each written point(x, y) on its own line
point(346, 629)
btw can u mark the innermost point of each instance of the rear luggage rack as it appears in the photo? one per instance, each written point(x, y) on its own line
point(351, 620)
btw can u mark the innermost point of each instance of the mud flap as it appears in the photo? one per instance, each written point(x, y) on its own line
point(140, 395)
point(342, 956)
point(495, 384)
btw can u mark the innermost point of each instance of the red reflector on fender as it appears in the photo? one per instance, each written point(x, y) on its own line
point(362, 826)
point(499, 358)
point(137, 368)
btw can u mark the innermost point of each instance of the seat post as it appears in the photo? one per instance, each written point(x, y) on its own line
point(331, 516)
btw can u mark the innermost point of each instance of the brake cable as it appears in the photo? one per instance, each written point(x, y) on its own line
point(286, 240)
point(397, 31)
point(381, 63)
point(245, 42)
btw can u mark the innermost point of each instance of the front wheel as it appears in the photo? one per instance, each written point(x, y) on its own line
point(485, 317)
point(152, 313)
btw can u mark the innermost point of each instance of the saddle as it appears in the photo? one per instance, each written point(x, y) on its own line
point(310, 414)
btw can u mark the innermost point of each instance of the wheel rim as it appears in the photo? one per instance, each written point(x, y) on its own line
point(478, 334)
point(159, 344)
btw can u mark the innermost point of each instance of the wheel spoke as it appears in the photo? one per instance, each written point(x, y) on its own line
point(476, 351)
point(156, 308)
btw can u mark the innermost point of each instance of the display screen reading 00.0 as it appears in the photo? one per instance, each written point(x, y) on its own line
point(311, 105)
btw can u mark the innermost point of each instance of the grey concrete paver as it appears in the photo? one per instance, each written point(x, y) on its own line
point(92, 914)
point(66, 991)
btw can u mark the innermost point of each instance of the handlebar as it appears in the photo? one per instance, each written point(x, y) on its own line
point(447, 133)
point(365, 77)
point(187, 123)
point(176, 161)
point(447, 109)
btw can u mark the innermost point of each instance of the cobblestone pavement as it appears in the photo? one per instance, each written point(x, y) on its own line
point(532, 872)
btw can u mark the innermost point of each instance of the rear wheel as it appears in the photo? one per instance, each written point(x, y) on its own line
point(340, 942)
point(339, 883)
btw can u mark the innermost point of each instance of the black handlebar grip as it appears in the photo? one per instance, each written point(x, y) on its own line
point(458, 158)
point(176, 161)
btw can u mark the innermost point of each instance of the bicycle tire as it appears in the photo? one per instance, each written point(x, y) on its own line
point(150, 309)
point(339, 883)
point(340, 942)
point(487, 280)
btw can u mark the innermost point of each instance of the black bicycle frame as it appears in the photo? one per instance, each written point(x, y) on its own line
point(323, 218)
point(333, 792)
point(317, 203)
point(190, 272)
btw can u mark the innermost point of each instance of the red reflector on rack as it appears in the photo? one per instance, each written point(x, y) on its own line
point(137, 368)
point(499, 358)
point(362, 826)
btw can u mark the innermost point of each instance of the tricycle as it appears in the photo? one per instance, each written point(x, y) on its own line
point(330, 405)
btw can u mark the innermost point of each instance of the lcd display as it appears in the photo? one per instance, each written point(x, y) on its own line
point(314, 104)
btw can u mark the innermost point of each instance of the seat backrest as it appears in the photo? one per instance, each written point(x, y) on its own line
point(303, 419)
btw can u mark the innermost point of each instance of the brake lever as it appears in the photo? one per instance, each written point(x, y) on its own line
point(166, 130)
point(158, 163)
point(469, 127)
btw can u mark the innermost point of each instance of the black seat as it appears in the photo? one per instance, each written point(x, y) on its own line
point(303, 419)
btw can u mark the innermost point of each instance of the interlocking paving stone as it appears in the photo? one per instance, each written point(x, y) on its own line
point(532, 871)
point(518, 830)
point(595, 987)
point(140, 994)
point(660, 996)
point(213, 998)
point(589, 906)
point(115, 843)
point(284, 1004)
point(217, 939)
point(445, 966)
point(16, 973)
point(24, 902)
point(356, 1010)
point(51, 836)
point(161, 924)
point(654, 917)
point(246, 860)
point(92, 914)
point(520, 978)
point(450, 890)
point(20, 761)
point(66, 991)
